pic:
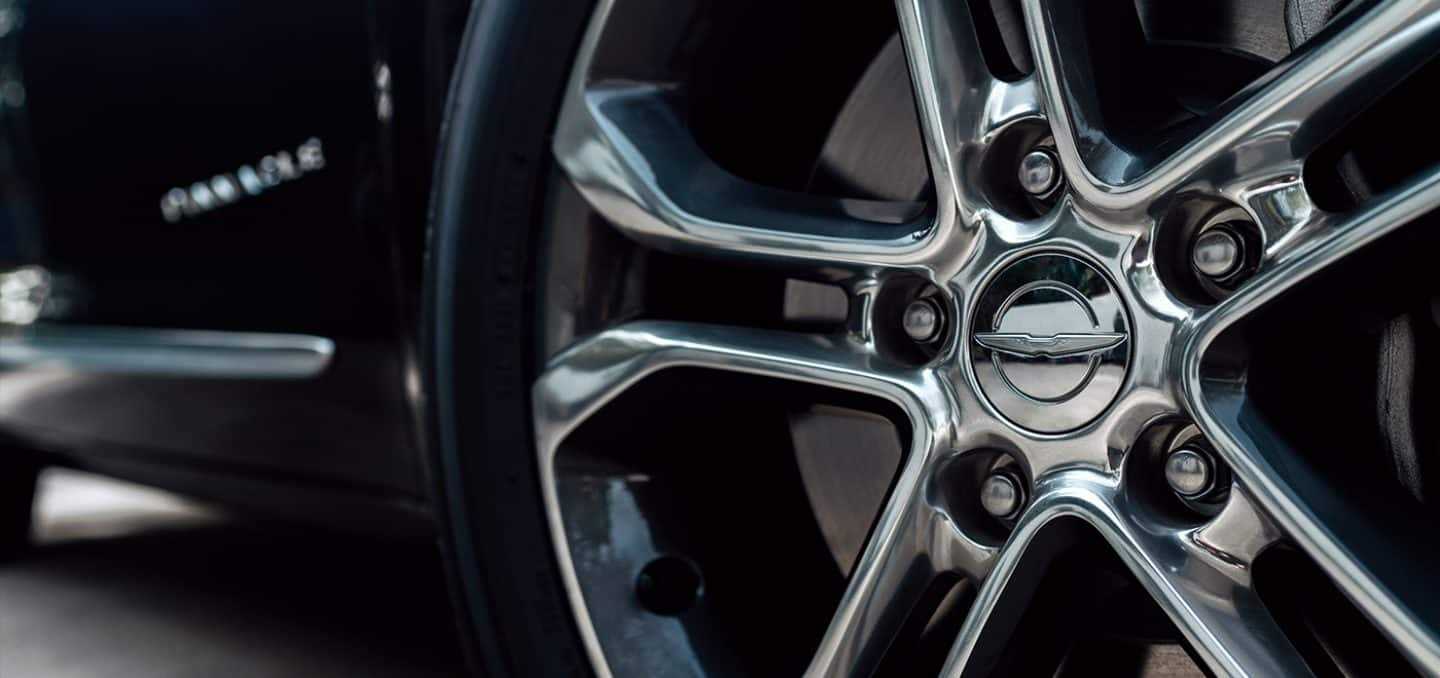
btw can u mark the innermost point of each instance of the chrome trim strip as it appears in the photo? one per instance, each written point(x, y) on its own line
point(166, 352)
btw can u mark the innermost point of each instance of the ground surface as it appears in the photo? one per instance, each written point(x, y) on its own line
point(128, 582)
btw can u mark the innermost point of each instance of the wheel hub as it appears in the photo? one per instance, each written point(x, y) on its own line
point(1050, 342)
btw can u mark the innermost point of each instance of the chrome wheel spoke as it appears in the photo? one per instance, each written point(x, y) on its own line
point(910, 545)
point(626, 148)
point(1351, 544)
point(1308, 100)
point(987, 627)
point(1198, 576)
point(1342, 537)
point(1321, 241)
point(582, 379)
point(960, 103)
point(908, 535)
point(1277, 121)
point(1206, 590)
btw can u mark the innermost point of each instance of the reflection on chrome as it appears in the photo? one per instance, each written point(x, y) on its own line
point(1051, 350)
point(384, 102)
point(165, 352)
point(22, 294)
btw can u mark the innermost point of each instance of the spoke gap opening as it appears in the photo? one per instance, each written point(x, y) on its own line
point(1000, 30)
point(1070, 573)
point(767, 488)
point(1378, 150)
point(1143, 78)
point(1332, 635)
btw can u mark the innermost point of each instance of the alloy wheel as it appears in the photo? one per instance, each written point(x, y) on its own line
point(1054, 326)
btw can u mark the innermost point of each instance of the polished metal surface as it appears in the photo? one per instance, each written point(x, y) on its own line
point(922, 320)
point(1189, 472)
point(1062, 345)
point(166, 353)
point(1039, 172)
point(23, 293)
point(1218, 252)
point(1001, 495)
point(1068, 346)
point(583, 379)
point(1051, 347)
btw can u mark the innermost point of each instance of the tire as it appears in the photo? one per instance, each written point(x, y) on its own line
point(477, 350)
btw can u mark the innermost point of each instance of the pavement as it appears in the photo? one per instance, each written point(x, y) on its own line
point(128, 582)
point(131, 582)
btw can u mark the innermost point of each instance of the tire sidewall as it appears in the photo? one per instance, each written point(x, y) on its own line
point(478, 346)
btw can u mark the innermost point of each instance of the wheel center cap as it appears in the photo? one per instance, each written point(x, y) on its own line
point(1050, 343)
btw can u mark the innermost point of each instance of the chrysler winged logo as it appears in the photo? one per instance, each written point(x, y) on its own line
point(1050, 342)
point(1063, 345)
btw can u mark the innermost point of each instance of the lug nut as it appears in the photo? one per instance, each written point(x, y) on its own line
point(1189, 472)
point(922, 320)
point(1039, 172)
point(1218, 253)
point(1001, 495)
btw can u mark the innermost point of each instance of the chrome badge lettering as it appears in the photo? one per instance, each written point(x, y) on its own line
point(222, 189)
